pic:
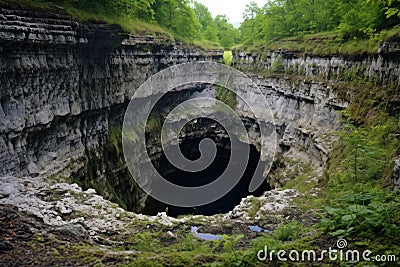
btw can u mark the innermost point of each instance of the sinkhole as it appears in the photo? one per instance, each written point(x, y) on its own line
point(189, 146)
point(105, 168)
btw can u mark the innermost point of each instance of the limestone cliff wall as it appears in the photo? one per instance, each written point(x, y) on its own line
point(63, 84)
point(302, 91)
point(383, 66)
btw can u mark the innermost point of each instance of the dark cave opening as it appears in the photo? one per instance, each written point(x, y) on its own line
point(189, 148)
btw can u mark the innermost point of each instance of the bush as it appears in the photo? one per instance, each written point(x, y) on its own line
point(289, 231)
point(277, 65)
point(366, 215)
point(367, 152)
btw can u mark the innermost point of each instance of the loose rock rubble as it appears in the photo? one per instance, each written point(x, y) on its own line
point(67, 205)
point(270, 203)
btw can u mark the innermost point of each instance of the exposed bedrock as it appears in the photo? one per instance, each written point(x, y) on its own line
point(382, 66)
point(63, 83)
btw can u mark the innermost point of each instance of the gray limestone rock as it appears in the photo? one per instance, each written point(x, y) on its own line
point(396, 174)
point(64, 82)
point(32, 168)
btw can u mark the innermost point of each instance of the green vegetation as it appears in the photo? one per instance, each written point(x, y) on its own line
point(354, 198)
point(115, 138)
point(154, 124)
point(277, 65)
point(320, 27)
point(132, 17)
point(366, 214)
point(366, 153)
point(228, 57)
point(324, 43)
point(176, 16)
point(289, 231)
point(226, 96)
point(360, 205)
point(184, 20)
point(227, 34)
point(187, 250)
point(208, 29)
point(351, 19)
point(255, 207)
point(317, 26)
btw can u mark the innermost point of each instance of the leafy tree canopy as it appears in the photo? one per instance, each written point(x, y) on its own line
point(350, 18)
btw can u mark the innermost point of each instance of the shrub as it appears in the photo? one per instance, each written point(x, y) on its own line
point(367, 214)
point(277, 65)
point(289, 231)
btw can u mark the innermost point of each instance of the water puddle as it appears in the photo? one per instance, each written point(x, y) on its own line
point(258, 229)
point(204, 236)
point(210, 237)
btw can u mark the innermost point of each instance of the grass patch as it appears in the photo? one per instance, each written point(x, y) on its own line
point(302, 183)
point(305, 180)
point(115, 138)
point(324, 44)
point(199, 44)
point(255, 207)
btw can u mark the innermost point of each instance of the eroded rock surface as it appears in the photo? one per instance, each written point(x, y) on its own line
point(396, 174)
point(63, 83)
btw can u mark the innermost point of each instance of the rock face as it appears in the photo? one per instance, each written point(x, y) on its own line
point(64, 84)
point(383, 66)
point(396, 174)
point(305, 93)
point(305, 114)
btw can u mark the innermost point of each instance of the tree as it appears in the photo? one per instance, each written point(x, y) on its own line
point(185, 22)
point(361, 19)
point(392, 7)
point(251, 27)
point(365, 152)
point(208, 30)
point(177, 16)
point(251, 11)
point(143, 9)
point(352, 19)
point(164, 12)
point(226, 32)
